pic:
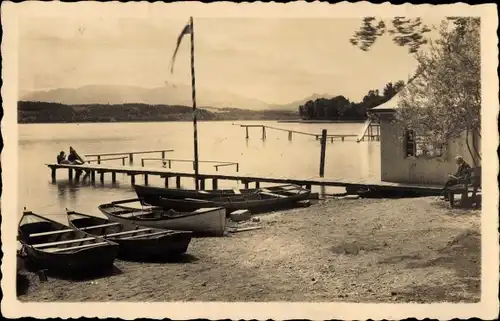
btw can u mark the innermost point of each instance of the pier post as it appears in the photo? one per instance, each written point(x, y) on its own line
point(202, 184)
point(322, 157)
point(247, 137)
point(317, 137)
point(142, 162)
point(166, 182)
point(123, 161)
point(98, 159)
point(53, 174)
point(245, 183)
point(131, 158)
point(290, 136)
point(263, 132)
point(343, 137)
point(113, 177)
point(145, 179)
point(178, 181)
point(102, 177)
point(237, 167)
point(214, 184)
point(257, 184)
point(70, 174)
point(163, 154)
point(92, 176)
point(169, 163)
point(132, 179)
point(332, 138)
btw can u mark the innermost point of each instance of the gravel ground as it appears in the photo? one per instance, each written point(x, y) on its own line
point(366, 250)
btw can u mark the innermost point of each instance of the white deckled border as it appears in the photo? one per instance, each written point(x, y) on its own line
point(486, 309)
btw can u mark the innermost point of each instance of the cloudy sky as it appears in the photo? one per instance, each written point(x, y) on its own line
point(274, 60)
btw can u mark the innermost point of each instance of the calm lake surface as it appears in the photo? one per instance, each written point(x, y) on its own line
point(39, 144)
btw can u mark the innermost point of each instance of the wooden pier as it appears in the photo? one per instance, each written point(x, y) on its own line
point(351, 187)
point(331, 137)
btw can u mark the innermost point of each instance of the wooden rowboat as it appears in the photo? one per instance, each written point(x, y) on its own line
point(263, 200)
point(53, 245)
point(206, 221)
point(151, 194)
point(134, 241)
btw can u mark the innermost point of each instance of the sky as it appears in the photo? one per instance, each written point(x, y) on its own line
point(271, 59)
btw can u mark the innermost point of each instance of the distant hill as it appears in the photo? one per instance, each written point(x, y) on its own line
point(170, 94)
point(44, 112)
point(295, 104)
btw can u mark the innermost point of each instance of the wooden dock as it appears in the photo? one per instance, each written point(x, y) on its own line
point(331, 137)
point(308, 182)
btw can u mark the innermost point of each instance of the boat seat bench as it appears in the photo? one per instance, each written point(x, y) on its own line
point(44, 245)
point(126, 232)
point(273, 194)
point(55, 250)
point(71, 230)
point(142, 235)
point(132, 214)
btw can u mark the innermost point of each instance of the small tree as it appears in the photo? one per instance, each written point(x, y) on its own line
point(444, 97)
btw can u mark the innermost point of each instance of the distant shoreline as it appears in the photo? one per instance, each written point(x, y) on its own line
point(36, 112)
point(151, 121)
point(303, 121)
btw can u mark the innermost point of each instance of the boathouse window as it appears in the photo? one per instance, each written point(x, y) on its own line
point(418, 146)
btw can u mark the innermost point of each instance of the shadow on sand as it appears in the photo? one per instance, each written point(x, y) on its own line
point(183, 258)
point(71, 274)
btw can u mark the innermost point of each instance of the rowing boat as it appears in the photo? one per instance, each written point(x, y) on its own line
point(151, 195)
point(263, 200)
point(206, 221)
point(53, 245)
point(134, 241)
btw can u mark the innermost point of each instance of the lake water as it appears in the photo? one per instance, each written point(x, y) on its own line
point(219, 141)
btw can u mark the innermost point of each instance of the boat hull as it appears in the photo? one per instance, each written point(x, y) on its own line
point(233, 203)
point(154, 243)
point(98, 258)
point(55, 246)
point(210, 221)
point(151, 194)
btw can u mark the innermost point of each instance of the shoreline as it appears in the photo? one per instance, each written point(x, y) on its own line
point(363, 250)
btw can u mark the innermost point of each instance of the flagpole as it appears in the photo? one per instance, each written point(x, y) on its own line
point(193, 88)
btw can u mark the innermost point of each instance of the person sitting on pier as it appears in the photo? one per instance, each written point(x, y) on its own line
point(61, 158)
point(463, 172)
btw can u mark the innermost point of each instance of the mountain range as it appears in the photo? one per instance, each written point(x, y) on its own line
point(170, 94)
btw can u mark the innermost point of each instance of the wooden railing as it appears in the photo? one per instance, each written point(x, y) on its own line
point(99, 160)
point(291, 132)
point(130, 154)
point(168, 161)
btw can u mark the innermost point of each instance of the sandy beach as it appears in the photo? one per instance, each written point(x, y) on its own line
point(366, 250)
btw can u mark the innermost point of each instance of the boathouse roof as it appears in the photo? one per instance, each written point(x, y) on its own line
point(389, 106)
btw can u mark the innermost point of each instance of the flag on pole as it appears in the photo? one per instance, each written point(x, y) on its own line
point(185, 31)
